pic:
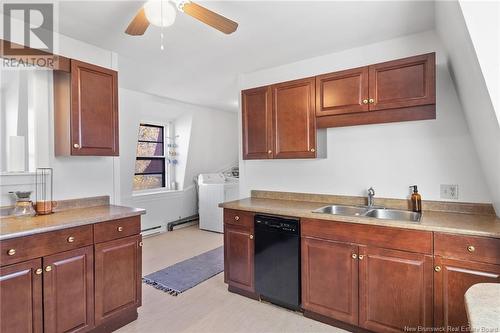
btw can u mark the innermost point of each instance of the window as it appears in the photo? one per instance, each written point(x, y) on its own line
point(150, 161)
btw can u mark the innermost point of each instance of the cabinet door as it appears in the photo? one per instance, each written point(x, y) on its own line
point(294, 119)
point(239, 257)
point(118, 269)
point(330, 279)
point(94, 110)
point(450, 284)
point(395, 290)
point(68, 291)
point(342, 92)
point(403, 83)
point(257, 123)
point(21, 298)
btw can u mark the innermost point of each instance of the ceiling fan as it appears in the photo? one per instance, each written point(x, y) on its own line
point(162, 13)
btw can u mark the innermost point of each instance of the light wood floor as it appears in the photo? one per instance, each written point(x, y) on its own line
point(208, 307)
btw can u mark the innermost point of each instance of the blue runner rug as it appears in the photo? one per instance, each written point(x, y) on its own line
point(186, 274)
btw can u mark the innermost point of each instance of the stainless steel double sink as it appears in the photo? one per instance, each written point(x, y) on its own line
point(366, 211)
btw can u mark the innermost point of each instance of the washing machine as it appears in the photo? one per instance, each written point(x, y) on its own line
point(214, 188)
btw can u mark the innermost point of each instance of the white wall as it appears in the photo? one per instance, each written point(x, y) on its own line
point(469, 64)
point(389, 157)
point(207, 142)
point(482, 19)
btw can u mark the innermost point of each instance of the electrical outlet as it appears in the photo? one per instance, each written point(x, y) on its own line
point(449, 192)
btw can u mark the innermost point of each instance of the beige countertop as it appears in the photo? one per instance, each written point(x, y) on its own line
point(482, 302)
point(12, 227)
point(458, 223)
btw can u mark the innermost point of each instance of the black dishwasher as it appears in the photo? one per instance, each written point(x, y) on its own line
point(277, 260)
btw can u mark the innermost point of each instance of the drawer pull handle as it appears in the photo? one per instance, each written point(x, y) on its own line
point(39, 271)
point(251, 236)
point(437, 268)
point(120, 229)
point(71, 239)
point(360, 257)
point(471, 248)
point(11, 252)
point(354, 256)
point(48, 268)
point(236, 218)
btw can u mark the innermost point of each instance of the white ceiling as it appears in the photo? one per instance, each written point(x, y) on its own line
point(200, 65)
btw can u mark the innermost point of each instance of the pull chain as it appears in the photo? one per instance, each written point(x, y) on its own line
point(162, 25)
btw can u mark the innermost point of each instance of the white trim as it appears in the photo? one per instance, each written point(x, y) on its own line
point(22, 173)
point(153, 191)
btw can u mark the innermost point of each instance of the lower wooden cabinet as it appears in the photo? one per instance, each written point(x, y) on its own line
point(395, 290)
point(68, 291)
point(21, 297)
point(117, 276)
point(452, 278)
point(95, 287)
point(330, 279)
point(239, 257)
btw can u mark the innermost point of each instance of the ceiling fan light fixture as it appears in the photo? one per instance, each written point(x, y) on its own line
point(160, 13)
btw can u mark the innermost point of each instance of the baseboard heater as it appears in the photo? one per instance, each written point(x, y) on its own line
point(192, 218)
point(153, 228)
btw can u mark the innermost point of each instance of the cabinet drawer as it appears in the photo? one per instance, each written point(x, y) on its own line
point(39, 245)
point(115, 229)
point(474, 248)
point(238, 217)
point(383, 237)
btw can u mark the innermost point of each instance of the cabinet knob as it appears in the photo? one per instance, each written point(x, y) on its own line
point(11, 252)
point(269, 151)
point(437, 268)
point(120, 229)
point(313, 150)
point(71, 239)
point(365, 101)
point(354, 256)
point(251, 236)
point(236, 218)
point(48, 268)
point(141, 244)
point(76, 146)
point(471, 248)
point(360, 257)
point(371, 100)
point(39, 271)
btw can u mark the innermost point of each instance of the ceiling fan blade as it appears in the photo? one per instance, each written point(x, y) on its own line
point(139, 24)
point(209, 17)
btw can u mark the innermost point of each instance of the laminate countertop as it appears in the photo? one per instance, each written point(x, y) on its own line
point(13, 227)
point(482, 302)
point(457, 223)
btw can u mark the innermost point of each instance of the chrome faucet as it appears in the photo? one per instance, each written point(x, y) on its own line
point(371, 194)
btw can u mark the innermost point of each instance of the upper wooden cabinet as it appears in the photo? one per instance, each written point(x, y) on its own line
point(279, 121)
point(342, 92)
point(86, 110)
point(399, 90)
point(403, 83)
point(257, 123)
point(294, 119)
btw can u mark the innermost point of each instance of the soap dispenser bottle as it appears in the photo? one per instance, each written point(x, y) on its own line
point(416, 200)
